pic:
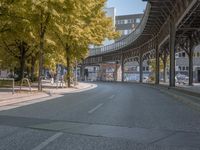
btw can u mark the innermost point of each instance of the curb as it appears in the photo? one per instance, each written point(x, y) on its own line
point(189, 98)
point(76, 90)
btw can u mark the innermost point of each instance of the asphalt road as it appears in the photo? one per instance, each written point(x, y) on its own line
point(114, 116)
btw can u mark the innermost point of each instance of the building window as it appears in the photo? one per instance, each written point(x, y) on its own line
point(138, 20)
point(183, 54)
point(198, 54)
point(179, 68)
point(183, 68)
point(187, 68)
point(143, 68)
point(130, 21)
point(147, 68)
point(179, 54)
point(125, 21)
point(129, 31)
point(121, 32)
point(124, 32)
point(194, 54)
point(122, 22)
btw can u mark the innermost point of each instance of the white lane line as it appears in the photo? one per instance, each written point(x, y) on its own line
point(95, 108)
point(49, 140)
point(111, 97)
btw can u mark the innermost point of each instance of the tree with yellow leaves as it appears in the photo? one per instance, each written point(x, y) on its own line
point(51, 30)
point(82, 23)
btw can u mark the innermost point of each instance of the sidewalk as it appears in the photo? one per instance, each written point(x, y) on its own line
point(195, 89)
point(189, 95)
point(9, 100)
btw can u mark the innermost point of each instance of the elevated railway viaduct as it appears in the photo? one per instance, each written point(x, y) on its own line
point(167, 27)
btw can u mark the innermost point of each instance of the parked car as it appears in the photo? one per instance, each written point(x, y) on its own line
point(181, 78)
point(145, 79)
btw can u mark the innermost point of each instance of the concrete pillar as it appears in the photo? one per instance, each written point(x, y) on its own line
point(118, 72)
point(141, 68)
point(191, 53)
point(157, 73)
point(102, 72)
point(172, 30)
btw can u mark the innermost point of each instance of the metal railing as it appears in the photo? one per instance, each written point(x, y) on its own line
point(129, 39)
point(13, 83)
point(28, 82)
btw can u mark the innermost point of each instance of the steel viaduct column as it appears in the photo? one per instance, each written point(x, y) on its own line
point(141, 68)
point(165, 66)
point(82, 72)
point(172, 31)
point(122, 67)
point(191, 53)
point(157, 73)
point(115, 72)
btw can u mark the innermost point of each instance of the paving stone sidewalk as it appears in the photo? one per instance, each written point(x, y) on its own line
point(9, 100)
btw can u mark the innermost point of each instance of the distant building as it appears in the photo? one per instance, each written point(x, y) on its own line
point(110, 12)
point(182, 63)
point(127, 23)
point(92, 70)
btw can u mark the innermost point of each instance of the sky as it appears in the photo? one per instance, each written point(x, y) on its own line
point(125, 7)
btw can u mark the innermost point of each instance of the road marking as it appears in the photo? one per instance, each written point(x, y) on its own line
point(95, 108)
point(111, 97)
point(49, 140)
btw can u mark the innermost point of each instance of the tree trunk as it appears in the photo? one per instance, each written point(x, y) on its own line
point(68, 66)
point(22, 68)
point(22, 61)
point(40, 64)
point(33, 60)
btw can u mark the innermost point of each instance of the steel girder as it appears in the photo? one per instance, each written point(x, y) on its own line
point(156, 32)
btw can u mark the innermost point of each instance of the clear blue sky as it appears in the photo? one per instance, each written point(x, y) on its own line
point(125, 7)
